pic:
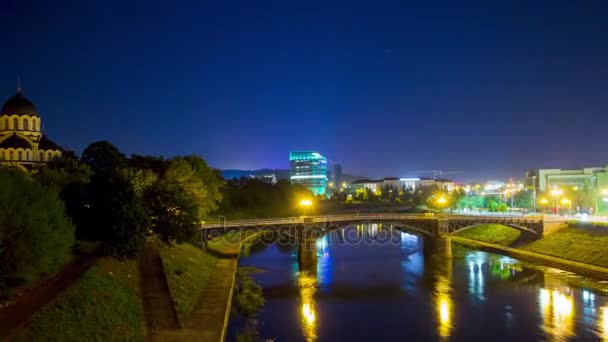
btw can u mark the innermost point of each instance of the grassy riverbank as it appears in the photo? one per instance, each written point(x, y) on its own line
point(188, 270)
point(491, 233)
point(582, 242)
point(103, 305)
point(231, 243)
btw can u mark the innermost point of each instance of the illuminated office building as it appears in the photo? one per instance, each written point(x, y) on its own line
point(309, 169)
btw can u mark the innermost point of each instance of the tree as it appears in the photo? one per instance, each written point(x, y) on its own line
point(173, 213)
point(114, 211)
point(103, 157)
point(178, 193)
point(35, 235)
point(117, 215)
point(71, 177)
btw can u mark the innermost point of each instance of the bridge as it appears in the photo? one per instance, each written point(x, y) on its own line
point(430, 225)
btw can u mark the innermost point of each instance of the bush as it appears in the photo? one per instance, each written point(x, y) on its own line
point(35, 235)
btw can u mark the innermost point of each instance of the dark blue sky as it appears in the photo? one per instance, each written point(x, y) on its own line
point(491, 88)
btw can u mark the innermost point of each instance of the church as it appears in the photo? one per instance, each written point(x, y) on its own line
point(22, 142)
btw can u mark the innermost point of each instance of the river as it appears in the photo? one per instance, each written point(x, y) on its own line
point(371, 283)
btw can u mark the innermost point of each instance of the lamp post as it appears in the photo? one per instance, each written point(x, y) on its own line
point(556, 193)
point(543, 202)
point(566, 202)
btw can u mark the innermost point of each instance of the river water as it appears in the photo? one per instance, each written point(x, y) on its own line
point(356, 284)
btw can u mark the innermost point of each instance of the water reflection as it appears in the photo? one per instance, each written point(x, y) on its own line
point(444, 303)
point(444, 306)
point(557, 311)
point(412, 286)
point(412, 262)
point(307, 284)
point(308, 253)
point(603, 323)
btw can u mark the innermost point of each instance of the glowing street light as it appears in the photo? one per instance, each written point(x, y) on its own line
point(543, 203)
point(566, 202)
point(305, 203)
point(556, 192)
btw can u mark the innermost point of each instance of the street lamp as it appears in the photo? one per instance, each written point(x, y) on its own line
point(543, 202)
point(556, 193)
point(441, 201)
point(305, 203)
point(566, 202)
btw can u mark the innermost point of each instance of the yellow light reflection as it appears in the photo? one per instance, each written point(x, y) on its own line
point(603, 322)
point(557, 309)
point(444, 311)
point(308, 313)
point(444, 307)
point(444, 304)
point(308, 285)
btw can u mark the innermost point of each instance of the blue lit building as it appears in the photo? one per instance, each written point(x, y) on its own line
point(309, 169)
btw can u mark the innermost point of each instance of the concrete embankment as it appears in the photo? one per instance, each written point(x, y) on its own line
point(209, 320)
point(543, 259)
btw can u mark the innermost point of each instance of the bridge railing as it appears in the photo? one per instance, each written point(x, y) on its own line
point(359, 217)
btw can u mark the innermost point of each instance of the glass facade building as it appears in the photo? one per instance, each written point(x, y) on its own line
point(309, 169)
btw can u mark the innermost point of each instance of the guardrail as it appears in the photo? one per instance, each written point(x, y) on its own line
point(357, 217)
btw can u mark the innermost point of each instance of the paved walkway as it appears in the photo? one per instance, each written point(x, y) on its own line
point(21, 310)
point(158, 303)
point(209, 319)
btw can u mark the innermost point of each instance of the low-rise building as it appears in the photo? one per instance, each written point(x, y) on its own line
point(590, 177)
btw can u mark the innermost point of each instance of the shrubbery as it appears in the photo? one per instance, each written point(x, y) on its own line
point(35, 235)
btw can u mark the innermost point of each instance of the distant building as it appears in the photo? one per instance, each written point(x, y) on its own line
point(590, 177)
point(22, 142)
point(335, 175)
point(398, 183)
point(410, 183)
point(309, 169)
point(269, 178)
point(446, 184)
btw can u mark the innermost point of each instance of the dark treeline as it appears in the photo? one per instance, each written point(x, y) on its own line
point(253, 198)
point(104, 196)
point(100, 196)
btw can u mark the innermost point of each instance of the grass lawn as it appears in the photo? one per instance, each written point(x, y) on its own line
point(230, 243)
point(579, 242)
point(103, 305)
point(491, 233)
point(188, 269)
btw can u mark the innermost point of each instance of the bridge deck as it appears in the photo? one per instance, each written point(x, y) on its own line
point(326, 219)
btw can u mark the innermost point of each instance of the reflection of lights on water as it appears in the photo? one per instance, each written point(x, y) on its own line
point(563, 304)
point(308, 313)
point(372, 230)
point(588, 297)
point(307, 285)
point(557, 310)
point(545, 298)
point(443, 306)
point(444, 311)
point(476, 277)
point(323, 246)
point(603, 322)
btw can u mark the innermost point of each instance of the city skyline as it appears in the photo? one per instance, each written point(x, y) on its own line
point(491, 90)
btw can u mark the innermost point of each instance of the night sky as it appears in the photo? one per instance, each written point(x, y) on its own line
point(490, 88)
